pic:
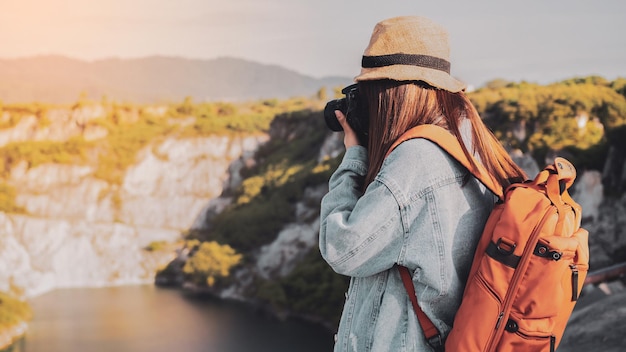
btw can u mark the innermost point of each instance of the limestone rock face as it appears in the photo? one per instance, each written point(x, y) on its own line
point(40, 254)
point(79, 230)
point(278, 258)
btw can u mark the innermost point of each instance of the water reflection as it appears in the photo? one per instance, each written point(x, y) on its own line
point(146, 318)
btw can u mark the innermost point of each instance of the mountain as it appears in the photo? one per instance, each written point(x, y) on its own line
point(58, 79)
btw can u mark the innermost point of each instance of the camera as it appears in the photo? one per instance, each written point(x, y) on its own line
point(353, 106)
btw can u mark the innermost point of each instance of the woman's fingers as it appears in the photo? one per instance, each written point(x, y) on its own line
point(350, 138)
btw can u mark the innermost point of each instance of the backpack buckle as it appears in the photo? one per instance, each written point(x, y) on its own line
point(505, 246)
point(436, 343)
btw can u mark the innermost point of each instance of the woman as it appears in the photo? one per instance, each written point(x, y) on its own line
point(416, 207)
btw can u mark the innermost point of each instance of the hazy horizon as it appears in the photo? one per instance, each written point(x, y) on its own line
point(535, 41)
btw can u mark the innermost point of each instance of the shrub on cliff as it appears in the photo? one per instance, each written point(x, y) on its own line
point(209, 262)
point(13, 314)
point(7, 199)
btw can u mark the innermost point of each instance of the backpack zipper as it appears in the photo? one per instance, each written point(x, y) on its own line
point(518, 274)
point(574, 282)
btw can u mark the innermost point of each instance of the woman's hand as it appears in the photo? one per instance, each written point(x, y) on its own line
point(349, 139)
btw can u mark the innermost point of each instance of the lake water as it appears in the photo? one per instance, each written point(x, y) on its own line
point(148, 318)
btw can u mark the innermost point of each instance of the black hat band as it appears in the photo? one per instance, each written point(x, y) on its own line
point(426, 61)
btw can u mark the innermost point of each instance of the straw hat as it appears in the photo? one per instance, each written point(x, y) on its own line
point(409, 48)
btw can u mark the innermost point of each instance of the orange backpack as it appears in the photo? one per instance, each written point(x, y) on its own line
point(529, 265)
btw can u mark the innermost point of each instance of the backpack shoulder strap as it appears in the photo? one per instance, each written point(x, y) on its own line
point(432, 335)
point(450, 144)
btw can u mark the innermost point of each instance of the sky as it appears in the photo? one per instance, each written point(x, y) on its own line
point(534, 40)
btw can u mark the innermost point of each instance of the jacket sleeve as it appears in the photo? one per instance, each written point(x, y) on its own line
point(360, 235)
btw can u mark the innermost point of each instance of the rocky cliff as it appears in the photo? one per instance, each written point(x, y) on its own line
point(76, 229)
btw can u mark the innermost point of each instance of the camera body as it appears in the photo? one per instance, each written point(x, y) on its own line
point(353, 106)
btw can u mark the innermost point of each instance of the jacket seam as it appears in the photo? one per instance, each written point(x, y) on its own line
point(382, 280)
point(438, 239)
point(402, 210)
point(436, 184)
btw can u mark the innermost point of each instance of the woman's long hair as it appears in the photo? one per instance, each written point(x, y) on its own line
point(395, 107)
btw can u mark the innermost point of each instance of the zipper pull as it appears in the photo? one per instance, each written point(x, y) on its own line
point(574, 282)
point(499, 320)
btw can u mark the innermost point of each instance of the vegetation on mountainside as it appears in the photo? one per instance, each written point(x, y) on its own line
point(7, 199)
point(36, 153)
point(311, 290)
point(11, 114)
point(574, 116)
point(129, 129)
point(265, 202)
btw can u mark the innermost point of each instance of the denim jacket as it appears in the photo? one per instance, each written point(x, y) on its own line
point(422, 211)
